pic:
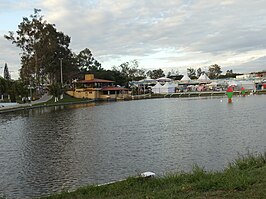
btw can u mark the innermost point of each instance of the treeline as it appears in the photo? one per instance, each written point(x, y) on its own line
point(45, 50)
point(11, 90)
point(46, 56)
point(213, 72)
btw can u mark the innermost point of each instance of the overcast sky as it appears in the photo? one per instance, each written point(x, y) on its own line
point(165, 34)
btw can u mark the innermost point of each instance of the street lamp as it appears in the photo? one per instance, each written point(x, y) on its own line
point(61, 75)
point(61, 71)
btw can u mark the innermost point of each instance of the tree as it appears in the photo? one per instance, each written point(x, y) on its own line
point(42, 46)
point(128, 71)
point(7, 75)
point(228, 74)
point(214, 71)
point(3, 85)
point(191, 72)
point(15, 89)
point(173, 73)
point(88, 64)
point(155, 74)
point(199, 72)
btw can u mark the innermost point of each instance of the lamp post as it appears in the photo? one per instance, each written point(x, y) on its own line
point(61, 71)
point(61, 76)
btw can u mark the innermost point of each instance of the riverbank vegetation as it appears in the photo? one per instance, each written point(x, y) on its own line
point(243, 178)
point(11, 90)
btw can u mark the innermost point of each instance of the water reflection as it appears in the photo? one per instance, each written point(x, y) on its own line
point(61, 148)
point(47, 153)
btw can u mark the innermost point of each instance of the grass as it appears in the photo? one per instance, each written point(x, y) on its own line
point(243, 178)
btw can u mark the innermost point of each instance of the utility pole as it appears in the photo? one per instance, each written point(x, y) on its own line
point(61, 71)
point(61, 75)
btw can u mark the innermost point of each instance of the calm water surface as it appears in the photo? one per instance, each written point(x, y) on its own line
point(43, 151)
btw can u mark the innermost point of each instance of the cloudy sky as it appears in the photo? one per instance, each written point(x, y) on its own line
point(165, 34)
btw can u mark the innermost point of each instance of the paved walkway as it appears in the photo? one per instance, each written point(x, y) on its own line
point(43, 99)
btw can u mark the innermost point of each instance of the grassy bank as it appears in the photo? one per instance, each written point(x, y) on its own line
point(66, 100)
point(243, 178)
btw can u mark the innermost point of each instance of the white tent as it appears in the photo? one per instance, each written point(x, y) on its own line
point(204, 78)
point(185, 78)
point(157, 88)
point(168, 88)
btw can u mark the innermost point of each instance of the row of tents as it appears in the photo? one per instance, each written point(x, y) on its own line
point(168, 87)
point(185, 78)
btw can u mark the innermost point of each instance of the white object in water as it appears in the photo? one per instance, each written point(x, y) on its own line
point(147, 174)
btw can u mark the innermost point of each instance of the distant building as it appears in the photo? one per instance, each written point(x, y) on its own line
point(260, 74)
point(253, 75)
point(98, 89)
point(245, 76)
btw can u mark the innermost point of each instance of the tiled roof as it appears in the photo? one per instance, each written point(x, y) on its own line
point(112, 88)
point(96, 81)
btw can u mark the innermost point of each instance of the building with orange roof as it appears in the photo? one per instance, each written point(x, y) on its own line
point(98, 89)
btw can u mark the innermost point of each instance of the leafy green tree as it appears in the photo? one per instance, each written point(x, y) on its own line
point(214, 71)
point(199, 72)
point(7, 75)
point(191, 72)
point(42, 46)
point(228, 74)
point(87, 63)
point(173, 73)
point(128, 71)
point(3, 85)
point(55, 90)
point(14, 88)
point(155, 74)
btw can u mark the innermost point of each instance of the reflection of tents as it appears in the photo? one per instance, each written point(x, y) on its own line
point(185, 78)
point(168, 88)
point(157, 88)
point(203, 78)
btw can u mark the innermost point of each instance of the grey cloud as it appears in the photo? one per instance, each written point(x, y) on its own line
point(127, 28)
point(252, 66)
point(9, 54)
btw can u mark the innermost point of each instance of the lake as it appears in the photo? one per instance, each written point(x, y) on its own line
point(47, 150)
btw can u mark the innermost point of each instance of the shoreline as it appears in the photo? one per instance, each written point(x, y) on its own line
point(28, 106)
point(22, 107)
point(242, 178)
